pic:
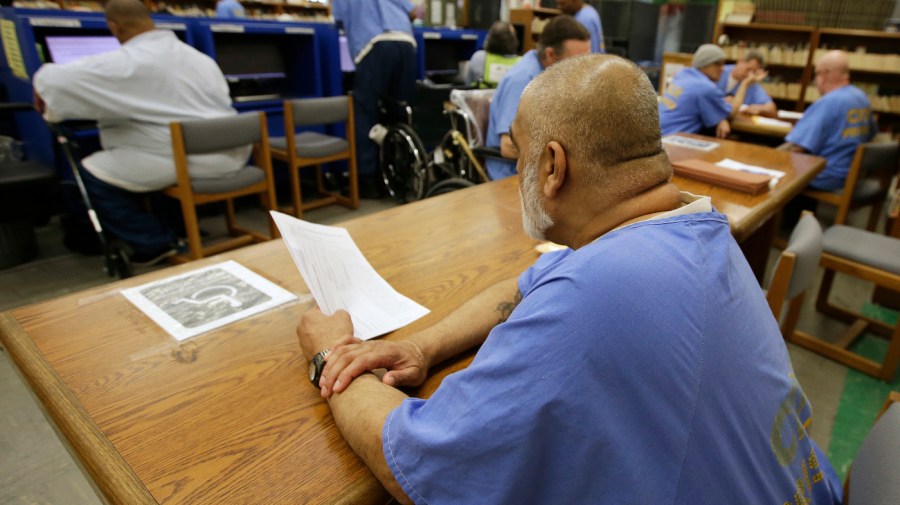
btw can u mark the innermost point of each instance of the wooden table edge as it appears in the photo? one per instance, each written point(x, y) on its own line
point(771, 207)
point(99, 458)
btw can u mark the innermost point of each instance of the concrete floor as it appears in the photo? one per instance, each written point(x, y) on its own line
point(36, 469)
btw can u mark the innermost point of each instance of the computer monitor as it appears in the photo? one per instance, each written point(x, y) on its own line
point(253, 66)
point(66, 49)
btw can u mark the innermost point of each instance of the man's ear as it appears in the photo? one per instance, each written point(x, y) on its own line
point(555, 168)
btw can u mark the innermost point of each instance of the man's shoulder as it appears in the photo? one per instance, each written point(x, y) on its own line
point(589, 12)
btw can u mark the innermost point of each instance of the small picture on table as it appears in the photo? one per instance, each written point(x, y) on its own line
point(198, 301)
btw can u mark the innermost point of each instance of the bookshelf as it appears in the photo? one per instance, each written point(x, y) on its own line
point(285, 10)
point(792, 52)
point(529, 23)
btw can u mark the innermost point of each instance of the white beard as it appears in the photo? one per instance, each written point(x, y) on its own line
point(535, 219)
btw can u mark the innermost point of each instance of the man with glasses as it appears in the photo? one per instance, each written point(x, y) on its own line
point(693, 103)
point(835, 124)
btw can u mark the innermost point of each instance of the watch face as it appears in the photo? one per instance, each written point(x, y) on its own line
point(312, 370)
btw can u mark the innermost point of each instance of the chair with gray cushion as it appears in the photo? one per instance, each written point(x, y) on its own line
point(873, 475)
point(312, 149)
point(795, 271)
point(871, 257)
point(204, 136)
point(866, 184)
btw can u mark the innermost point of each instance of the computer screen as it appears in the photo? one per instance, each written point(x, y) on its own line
point(68, 49)
point(250, 58)
point(441, 56)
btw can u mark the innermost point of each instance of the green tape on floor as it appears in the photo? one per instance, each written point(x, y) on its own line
point(862, 398)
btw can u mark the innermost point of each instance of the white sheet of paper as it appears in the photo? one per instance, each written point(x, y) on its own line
point(789, 114)
point(690, 143)
point(339, 277)
point(776, 175)
point(760, 120)
point(207, 298)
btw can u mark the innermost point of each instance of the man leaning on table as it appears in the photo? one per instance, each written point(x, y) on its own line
point(693, 103)
point(835, 124)
point(607, 372)
point(756, 100)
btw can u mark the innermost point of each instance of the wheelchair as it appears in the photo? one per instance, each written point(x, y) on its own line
point(409, 171)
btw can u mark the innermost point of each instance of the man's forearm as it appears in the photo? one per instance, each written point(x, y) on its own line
point(360, 412)
point(468, 326)
point(739, 96)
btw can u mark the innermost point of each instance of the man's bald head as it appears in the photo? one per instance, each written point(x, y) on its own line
point(127, 18)
point(602, 109)
point(832, 71)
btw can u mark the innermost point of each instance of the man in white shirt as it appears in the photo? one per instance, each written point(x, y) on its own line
point(134, 93)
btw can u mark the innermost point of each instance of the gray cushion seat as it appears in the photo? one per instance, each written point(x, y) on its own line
point(312, 144)
point(244, 177)
point(861, 246)
point(865, 191)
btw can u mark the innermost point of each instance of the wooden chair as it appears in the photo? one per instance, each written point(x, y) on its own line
point(313, 149)
point(866, 184)
point(672, 63)
point(871, 257)
point(873, 475)
point(205, 136)
point(795, 271)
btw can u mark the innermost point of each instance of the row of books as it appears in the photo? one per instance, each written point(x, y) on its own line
point(776, 54)
point(862, 60)
point(860, 15)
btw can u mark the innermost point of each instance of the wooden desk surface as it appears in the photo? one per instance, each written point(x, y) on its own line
point(229, 416)
point(745, 212)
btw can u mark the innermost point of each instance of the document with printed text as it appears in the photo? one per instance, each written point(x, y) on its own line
point(340, 277)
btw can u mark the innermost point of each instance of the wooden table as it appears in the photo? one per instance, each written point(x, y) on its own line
point(229, 416)
point(744, 123)
point(752, 217)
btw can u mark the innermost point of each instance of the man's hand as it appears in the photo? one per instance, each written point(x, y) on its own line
point(317, 331)
point(350, 358)
point(39, 104)
point(753, 110)
point(723, 129)
point(758, 75)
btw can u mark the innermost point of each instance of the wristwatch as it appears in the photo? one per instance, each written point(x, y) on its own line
point(315, 367)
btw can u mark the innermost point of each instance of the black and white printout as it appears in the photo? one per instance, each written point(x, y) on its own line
point(201, 300)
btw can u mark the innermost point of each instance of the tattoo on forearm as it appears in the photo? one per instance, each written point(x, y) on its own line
point(505, 308)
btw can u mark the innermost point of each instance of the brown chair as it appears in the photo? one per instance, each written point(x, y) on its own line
point(672, 63)
point(313, 149)
point(871, 257)
point(205, 136)
point(866, 184)
point(795, 271)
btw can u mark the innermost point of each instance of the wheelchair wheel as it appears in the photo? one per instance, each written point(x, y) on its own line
point(448, 185)
point(403, 164)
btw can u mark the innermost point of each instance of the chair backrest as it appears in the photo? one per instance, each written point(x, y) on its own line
point(797, 266)
point(203, 136)
point(672, 63)
point(475, 105)
point(319, 111)
point(873, 476)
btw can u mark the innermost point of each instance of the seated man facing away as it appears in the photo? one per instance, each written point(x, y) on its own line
point(692, 103)
point(487, 66)
point(134, 93)
point(756, 100)
point(835, 124)
point(588, 16)
point(642, 365)
point(562, 37)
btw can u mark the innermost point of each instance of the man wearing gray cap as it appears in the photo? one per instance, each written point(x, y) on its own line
point(693, 103)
